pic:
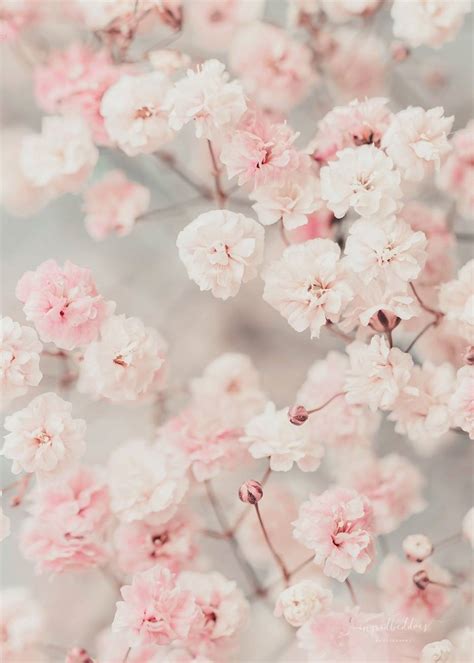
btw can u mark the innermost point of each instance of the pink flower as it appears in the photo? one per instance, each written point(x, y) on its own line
point(402, 597)
point(126, 363)
point(461, 403)
point(19, 359)
point(16, 16)
point(428, 23)
point(299, 602)
point(318, 224)
point(67, 527)
point(456, 177)
point(168, 61)
point(43, 437)
point(63, 304)
point(74, 80)
point(456, 301)
point(275, 69)
point(340, 11)
point(114, 204)
point(221, 250)
point(223, 611)
point(22, 625)
point(307, 285)
point(155, 610)
point(338, 527)
point(208, 98)
point(417, 140)
point(113, 647)
point(141, 544)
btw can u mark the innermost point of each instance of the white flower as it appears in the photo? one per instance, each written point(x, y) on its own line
point(221, 250)
point(307, 285)
point(386, 248)
point(22, 625)
point(145, 480)
point(272, 434)
point(461, 403)
point(377, 373)
point(431, 23)
point(20, 351)
point(362, 178)
point(208, 98)
point(441, 651)
point(417, 140)
point(468, 526)
point(299, 602)
point(134, 114)
point(125, 363)
point(44, 437)
point(456, 301)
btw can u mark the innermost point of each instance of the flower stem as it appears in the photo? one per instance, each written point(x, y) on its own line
point(170, 162)
point(433, 323)
point(351, 591)
point(330, 400)
point(284, 571)
point(220, 194)
point(424, 306)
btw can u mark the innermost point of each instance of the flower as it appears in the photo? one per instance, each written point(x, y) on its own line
point(417, 140)
point(61, 157)
point(251, 492)
point(428, 23)
point(299, 602)
point(17, 15)
point(388, 249)
point(338, 527)
point(272, 434)
point(134, 113)
point(307, 285)
point(43, 437)
point(154, 610)
point(461, 403)
point(126, 363)
point(145, 480)
point(417, 547)
point(318, 224)
point(221, 250)
point(437, 652)
point(63, 304)
point(468, 526)
point(22, 624)
point(168, 61)
point(19, 359)
point(456, 301)
point(378, 373)
point(362, 178)
point(114, 204)
point(207, 97)
point(456, 176)
point(345, 10)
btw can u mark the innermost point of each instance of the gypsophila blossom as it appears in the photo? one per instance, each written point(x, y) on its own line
point(168, 61)
point(221, 250)
point(20, 352)
point(417, 141)
point(461, 403)
point(363, 179)
point(456, 176)
point(44, 437)
point(215, 21)
point(337, 526)
point(299, 602)
point(430, 23)
point(468, 526)
point(340, 11)
point(16, 16)
point(307, 285)
point(456, 301)
point(271, 434)
point(113, 205)
point(22, 624)
point(441, 651)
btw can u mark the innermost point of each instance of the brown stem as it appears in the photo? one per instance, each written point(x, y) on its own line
point(220, 194)
point(351, 591)
point(330, 327)
point(465, 237)
point(388, 336)
point(170, 162)
point(433, 323)
point(447, 541)
point(284, 237)
point(284, 571)
point(330, 400)
point(23, 484)
point(127, 654)
point(424, 306)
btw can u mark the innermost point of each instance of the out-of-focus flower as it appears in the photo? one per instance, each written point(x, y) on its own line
point(340, 11)
point(221, 250)
point(63, 304)
point(22, 624)
point(168, 61)
point(456, 177)
point(456, 301)
point(428, 23)
point(338, 527)
point(299, 602)
point(461, 403)
point(319, 224)
point(468, 526)
point(113, 205)
point(20, 352)
point(417, 547)
point(307, 285)
point(441, 651)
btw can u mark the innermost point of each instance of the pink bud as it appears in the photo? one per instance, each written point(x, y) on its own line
point(251, 492)
point(421, 579)
point(383, 321)
point(78, 655)
point(469, 355)
point(417, 547)
point(298, 414)
point(400, 51)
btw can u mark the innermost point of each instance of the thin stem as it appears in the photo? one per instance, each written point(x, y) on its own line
point(424, 306)
point(301, 566)
point(351, 591)
point(284, 237)
point(284, 571)
point(433, 323)
point(447, 541)
point(388, 335)
point(127, 653)
point(330, 327)
point(330, 400)
point(220, 194)
point(169, 160)
point(465, 237)
point(23, 484)
point(162, 210)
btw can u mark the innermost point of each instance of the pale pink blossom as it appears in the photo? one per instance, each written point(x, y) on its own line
point(456, 176)
point(363, 179)
point(168, 61)
point(338, 527)
point(385, 248)
point(461, 403)
point(126, 363)
point(221, 250)
point(402, 597)
point(468, 526)
point(113, 647)
point(141, 544)
point(440, 651)
point(145, 480)
point(417, 141)
point(271, 434)
point(63, 304)
point(4, 523)
point(74, 81)
point(22, 623)
point(433, 23)
point(208, 98)
point(113, 205)
point(68, 523)
point(223, 611)
point(43, 437)
point(276, 70)
point(318, 224)
point(61, 157)
point(98, 15)
point(308, 285)
point(134, 113)
point(301, 601)
point(417, 547)
point(20, 352)
point(155, 610)
point(456, 301)
point(377, 373)
point(340, 11)
point(442, 343)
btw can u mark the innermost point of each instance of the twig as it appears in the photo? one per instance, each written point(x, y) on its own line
point(330, 400)
point(433, 323)
point(424, 306)
point(169, 161)
point(284, 571)
point(351, 591)
point(220, 194)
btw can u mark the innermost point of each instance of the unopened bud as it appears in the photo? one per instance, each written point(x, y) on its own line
point(400, 51)
point(421, 579)
point(384, 321)
point(417, 547)
point(469, 355)
point(251, 492)
point(78, 655)
point(298, 414)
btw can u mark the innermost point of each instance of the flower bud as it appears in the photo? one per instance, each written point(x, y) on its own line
point(421, 579)
point(417, 547)
point(469, 355)
point(78, 655)
point(399, 51)
point(298, 414)
point(384, 321)
point(251, 492)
